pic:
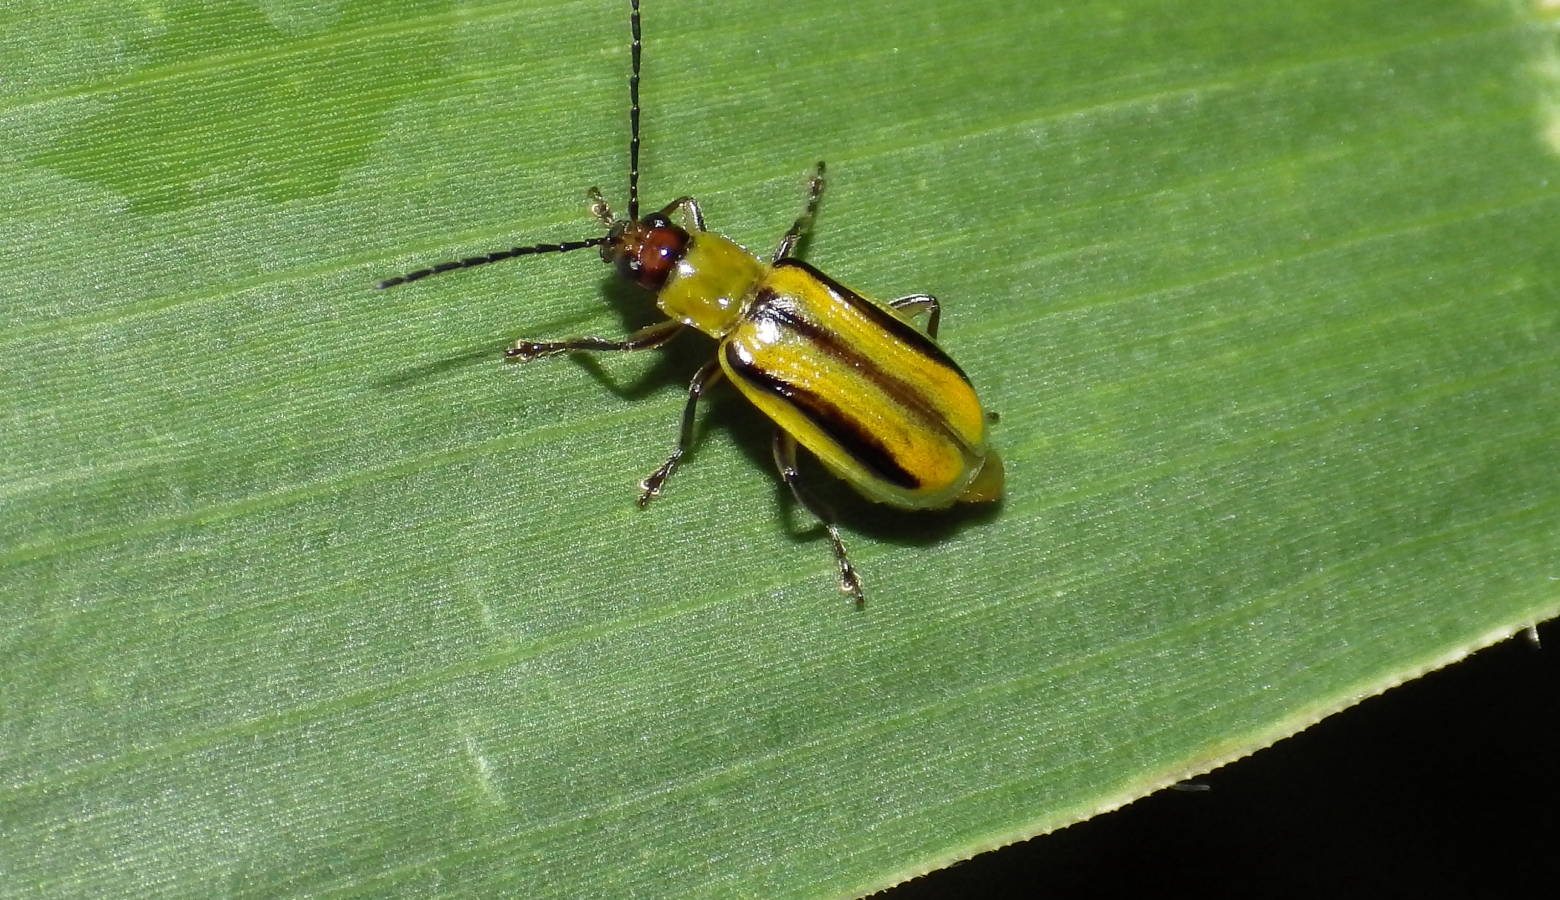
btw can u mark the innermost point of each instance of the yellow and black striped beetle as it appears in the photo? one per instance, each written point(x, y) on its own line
point(847, 377)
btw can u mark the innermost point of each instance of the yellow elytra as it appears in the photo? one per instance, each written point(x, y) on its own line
point(850, 379)
point(878, 402)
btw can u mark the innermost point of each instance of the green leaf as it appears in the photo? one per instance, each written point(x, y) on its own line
point(306, 592)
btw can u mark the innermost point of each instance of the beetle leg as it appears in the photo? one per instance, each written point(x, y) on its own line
point(805, 220)
point(785, 461)
point(704, 378)
point(644, 339)
point(916, 304)
point(688, 204)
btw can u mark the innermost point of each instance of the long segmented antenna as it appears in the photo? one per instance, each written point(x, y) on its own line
point(598, 206)
point(468, 262)
point(633, 115)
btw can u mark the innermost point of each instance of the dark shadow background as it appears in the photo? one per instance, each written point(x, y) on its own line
point(1442, 787)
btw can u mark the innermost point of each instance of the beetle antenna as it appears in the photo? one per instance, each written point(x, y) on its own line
point(468, 262)
point(633, 114)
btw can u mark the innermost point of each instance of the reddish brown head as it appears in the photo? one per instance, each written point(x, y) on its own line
point(647, 251)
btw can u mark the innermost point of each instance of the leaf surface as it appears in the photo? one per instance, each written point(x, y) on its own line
point(306, 592)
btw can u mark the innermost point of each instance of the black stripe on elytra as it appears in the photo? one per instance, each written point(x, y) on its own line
point(862, 446)
point(782, 309)
point(880, 317)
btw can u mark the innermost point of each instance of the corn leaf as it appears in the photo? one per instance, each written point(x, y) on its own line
point(306, 592)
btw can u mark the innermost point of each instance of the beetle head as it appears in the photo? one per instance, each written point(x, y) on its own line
point(645, 252)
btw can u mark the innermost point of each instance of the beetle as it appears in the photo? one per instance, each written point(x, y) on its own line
point(851, 379)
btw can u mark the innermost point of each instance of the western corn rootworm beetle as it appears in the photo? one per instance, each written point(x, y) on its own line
point(849, 378)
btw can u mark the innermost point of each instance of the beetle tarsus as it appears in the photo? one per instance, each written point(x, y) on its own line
point(784, 449)
point(850, 582)
point(805, 220)
point(525, 351)
point(650, 488)
point(707, 375)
